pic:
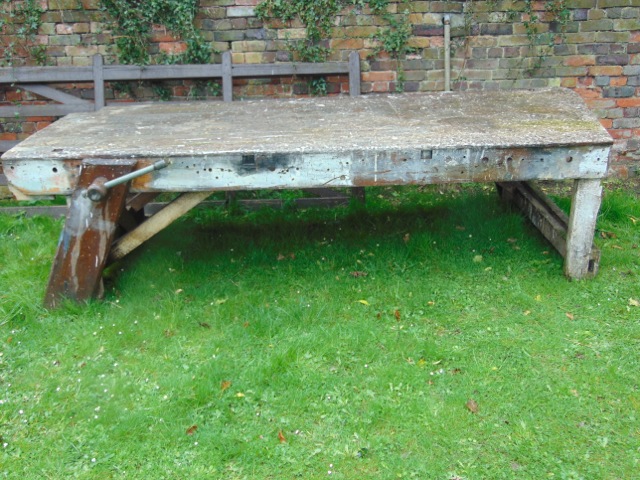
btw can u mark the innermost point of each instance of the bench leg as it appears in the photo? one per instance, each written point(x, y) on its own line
point(587, 196)
point(88, 232)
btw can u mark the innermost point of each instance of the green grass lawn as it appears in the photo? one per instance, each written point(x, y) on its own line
point(429, 335)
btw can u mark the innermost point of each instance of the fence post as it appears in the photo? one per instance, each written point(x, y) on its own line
point(354, 74)
point(98, 81)
point(227, 77)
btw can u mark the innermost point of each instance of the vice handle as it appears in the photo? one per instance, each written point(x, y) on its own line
point(100, 186)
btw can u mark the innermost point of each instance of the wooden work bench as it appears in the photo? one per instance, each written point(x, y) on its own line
point(506, 137)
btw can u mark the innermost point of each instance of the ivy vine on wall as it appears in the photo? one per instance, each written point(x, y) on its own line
point(318, 17)
point(541, 39)
point(132, 21)
point(19, 23)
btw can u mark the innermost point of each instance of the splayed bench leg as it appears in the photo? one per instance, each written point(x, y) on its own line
point(87, 235)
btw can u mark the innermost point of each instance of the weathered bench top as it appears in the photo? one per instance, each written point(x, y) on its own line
point(335, 141)
point(546, 117)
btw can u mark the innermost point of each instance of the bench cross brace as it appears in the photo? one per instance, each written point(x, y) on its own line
point(571, 236)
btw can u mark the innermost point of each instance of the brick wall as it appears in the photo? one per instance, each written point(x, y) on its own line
point(598, 55)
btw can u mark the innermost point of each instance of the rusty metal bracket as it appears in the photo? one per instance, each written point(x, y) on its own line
point(87, 235)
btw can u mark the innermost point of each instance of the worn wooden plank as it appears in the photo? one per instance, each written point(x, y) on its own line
point(174, 210)
point(332, 169)
point(52, 93)
point(45, 74)
point(111, 73)
point(276, 69)
point(332, 142)
point(585, 205)
point(161, 72)
point(445, 123)
point(49, 110)
point(156, 72)
point(87, 235)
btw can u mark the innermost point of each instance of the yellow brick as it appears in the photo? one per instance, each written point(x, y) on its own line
point(253, 57)
point(418, 42)
point(293, 33)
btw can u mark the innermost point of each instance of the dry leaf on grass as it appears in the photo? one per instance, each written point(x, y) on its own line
point(225, 385)
point(192, 429)
point(281, 437)
point(472, 405)
point(357, 274)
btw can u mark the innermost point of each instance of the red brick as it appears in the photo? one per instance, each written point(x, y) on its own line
point(628, 102)
point(606, 122)
point(378, 76)
point(612, 70)
point(172, 47)
point(585, 81)
point(347, 43)
point(8, 136)
point(380, 87)
point(13, 96)
point(618, 134)
point(162, 36)
point(580, 61)
point(586, 93)
point(64, 29)
point(38, 119)
point(618, 81)
point(600, 103)
point(28, 127)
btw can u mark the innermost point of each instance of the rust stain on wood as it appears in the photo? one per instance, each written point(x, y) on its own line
point(87, 236)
